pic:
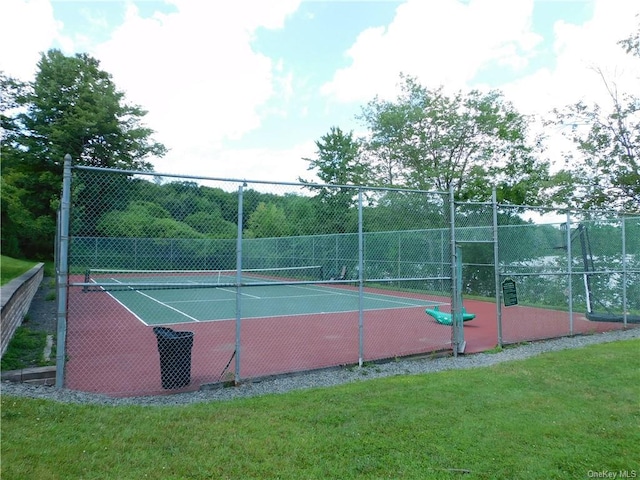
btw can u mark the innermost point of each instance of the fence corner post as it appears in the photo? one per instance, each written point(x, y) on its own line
point(62, 271)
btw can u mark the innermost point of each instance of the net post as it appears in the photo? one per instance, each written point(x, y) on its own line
point(87, 277)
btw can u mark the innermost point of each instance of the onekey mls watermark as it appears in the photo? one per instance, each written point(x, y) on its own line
point(612, 474)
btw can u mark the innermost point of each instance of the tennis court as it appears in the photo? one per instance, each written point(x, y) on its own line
point(380, 262)
point(212, 296)
point(288, 323)
point(284, 328)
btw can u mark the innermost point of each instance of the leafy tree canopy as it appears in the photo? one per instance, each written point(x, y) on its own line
point(430, 140)
point(72, 106)
point(338, 163)
point(604, 170)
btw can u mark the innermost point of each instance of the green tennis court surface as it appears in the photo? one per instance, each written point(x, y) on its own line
point(183, 305)
point(169, 297)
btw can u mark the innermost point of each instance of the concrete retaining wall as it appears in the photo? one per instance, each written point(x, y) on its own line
point(16, 298)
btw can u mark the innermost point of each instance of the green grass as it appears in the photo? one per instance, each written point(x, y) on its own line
point(26, 349)
point(559, 415)
point(11, 268)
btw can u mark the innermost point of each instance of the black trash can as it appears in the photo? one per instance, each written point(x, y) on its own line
point(175, 357)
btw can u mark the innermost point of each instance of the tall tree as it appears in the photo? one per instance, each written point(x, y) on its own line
point(15, 217)
point(604, 171)
point(338, 165)
point(72, 107)
point(429, 140)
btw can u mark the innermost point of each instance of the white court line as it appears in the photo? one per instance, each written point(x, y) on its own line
point(161, 303)
point(252, 296)
point(125, 307)
point(307, 314)
point(168, 306)
point(323, 292)
point(356, 295)
point(226, 290)
point(241, 293)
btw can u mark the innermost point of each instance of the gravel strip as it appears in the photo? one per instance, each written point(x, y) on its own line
point(324, 378)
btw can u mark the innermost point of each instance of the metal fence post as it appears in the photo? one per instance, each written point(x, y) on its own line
point(625, 307)
point(360, 281)
point(238, 283)
point(496, 263)
point(570, 272)
point(62, 275)
point(455, 294)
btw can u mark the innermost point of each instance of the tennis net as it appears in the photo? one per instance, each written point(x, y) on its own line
point(99, 279)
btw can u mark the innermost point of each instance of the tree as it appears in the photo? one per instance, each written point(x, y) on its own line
point(268, 220)
point(604, 172)
point(429, 140)
point(145, 220)
point(72, 107)
point(338, 161)
point(16, 217)
point(338, 164)
point(632, 43)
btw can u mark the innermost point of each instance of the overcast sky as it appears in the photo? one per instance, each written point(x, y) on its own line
point(242, 89)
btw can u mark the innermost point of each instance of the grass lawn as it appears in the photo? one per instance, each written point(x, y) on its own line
point(11, 268)
point(569, 414)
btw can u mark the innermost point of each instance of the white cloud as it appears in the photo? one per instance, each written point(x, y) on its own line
point(196, 73)
point(449, 42)
point(440, 43)
point(28, 29)
point(276, 165)
point(580, 51)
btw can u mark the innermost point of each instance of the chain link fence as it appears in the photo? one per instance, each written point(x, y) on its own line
point(571, 272)
point(170, 283)
point(183, 283)
point(575, 272)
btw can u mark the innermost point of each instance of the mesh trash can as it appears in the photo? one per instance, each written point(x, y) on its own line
point(175, 357)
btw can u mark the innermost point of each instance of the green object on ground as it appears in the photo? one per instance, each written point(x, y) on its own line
point(444, 318)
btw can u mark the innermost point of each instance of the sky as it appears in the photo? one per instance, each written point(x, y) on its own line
point(242, 89)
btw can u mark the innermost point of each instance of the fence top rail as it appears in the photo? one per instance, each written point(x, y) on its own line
point(246, 182)
point(559, 210)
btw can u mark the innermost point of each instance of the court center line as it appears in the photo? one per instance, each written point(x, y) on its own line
point(124, 306)
point(167, 306)
point(241, 293)
point(252, 296)
point(409, 302)
point(380, 297)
